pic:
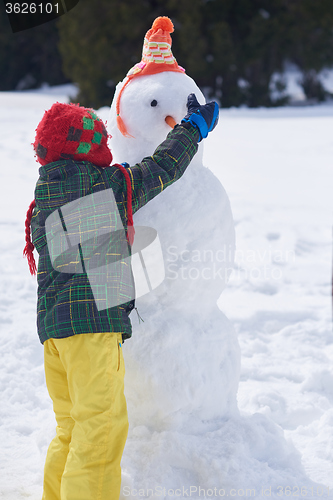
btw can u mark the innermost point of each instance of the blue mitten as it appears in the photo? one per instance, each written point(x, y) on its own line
point(203, 117)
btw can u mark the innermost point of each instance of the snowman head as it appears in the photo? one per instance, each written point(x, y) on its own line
point(151, 99)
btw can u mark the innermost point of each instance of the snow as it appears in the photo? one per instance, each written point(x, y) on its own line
point(291, 77)
point(326, 78)
point(275, 166)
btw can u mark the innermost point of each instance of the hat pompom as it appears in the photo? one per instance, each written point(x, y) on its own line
point(163, 23)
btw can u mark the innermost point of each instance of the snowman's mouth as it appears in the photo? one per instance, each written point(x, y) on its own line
point(170, 121)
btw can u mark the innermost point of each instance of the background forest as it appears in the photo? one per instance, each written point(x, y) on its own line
point(236, 50)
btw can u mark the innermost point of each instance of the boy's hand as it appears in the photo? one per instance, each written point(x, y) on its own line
point(203, 117)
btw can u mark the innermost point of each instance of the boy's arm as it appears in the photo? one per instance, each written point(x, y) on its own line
point(170, 160)
point(168, 163)
point(173, 156)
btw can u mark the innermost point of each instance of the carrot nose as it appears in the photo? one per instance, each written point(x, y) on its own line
point(170, 121)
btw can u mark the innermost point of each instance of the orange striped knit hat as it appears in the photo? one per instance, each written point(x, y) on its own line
point(156, 58)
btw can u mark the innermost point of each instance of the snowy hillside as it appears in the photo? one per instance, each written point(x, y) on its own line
point(276, 166)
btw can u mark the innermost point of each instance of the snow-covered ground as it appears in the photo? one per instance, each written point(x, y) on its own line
point(276, 166)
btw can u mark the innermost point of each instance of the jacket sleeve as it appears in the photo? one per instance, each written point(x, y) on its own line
point(168, 163)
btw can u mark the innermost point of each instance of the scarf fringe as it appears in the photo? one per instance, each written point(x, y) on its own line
point(29, 246)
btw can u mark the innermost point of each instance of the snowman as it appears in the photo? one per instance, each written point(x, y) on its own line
point(182, 362)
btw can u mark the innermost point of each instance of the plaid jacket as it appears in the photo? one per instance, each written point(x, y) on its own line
point(66, 304)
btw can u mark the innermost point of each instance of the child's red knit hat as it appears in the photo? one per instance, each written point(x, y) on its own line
point(70, 131)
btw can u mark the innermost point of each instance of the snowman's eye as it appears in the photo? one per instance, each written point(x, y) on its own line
point(153, 103)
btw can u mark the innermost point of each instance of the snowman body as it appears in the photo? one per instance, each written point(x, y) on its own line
point(182, 363)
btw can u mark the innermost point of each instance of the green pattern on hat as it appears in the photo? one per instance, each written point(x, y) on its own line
point(83, 148)
point(92, 114)
point(88, 123)
point(97, 138)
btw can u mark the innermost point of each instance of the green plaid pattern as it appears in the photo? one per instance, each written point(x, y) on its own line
point(66, 305)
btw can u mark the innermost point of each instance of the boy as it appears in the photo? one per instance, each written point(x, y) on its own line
point(84, 366)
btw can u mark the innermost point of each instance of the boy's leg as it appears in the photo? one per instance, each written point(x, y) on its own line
point(95, 372)
point(56, 381)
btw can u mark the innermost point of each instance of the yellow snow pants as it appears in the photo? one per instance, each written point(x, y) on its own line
point(85, 380)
